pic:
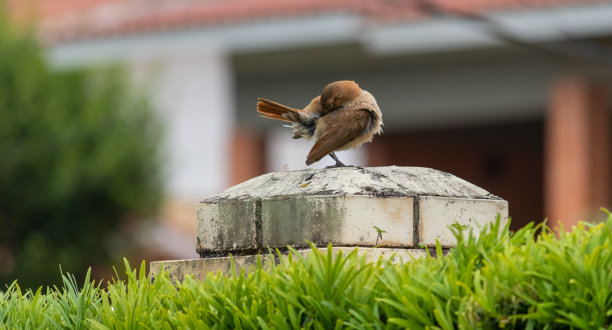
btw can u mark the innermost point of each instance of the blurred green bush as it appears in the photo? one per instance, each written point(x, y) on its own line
point(78, 156)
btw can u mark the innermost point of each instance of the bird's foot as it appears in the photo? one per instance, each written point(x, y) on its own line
point(337, 165)
point(338, 162)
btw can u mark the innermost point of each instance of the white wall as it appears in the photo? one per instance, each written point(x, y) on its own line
point(193, 93)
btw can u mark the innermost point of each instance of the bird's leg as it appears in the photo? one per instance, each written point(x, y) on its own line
point(338, 162)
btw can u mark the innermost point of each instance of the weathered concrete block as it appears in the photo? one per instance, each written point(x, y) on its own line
point(341, 220)
point(345, 206)
point(342, 206)
point(436, 214)
point(227, 225)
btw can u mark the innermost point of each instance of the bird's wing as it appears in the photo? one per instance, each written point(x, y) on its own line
point(339, 128)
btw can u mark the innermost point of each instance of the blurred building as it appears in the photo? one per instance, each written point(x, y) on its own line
point(511, 95)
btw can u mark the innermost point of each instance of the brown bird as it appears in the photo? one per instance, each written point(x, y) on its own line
point(344, 116)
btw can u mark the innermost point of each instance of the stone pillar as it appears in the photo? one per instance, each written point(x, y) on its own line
point(382, 210)
point(577, 166)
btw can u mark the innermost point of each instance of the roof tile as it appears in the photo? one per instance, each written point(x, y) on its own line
point(71, 20)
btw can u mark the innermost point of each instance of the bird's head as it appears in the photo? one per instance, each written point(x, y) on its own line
point(335, 95)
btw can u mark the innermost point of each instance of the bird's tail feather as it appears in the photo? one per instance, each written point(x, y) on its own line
point(273, 110)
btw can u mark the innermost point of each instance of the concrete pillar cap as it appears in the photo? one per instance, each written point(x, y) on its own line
point(392, 206)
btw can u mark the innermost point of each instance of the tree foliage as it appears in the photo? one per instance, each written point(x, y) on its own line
point(78, 155)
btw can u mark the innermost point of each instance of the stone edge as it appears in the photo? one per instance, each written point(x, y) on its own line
point(199, 268)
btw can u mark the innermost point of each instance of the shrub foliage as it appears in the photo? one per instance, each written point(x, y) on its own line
point(78, 155)
point(494, 281)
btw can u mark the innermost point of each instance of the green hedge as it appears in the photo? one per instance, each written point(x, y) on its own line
point(521, 280)
point(79, 159)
